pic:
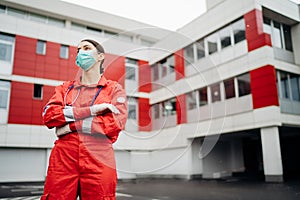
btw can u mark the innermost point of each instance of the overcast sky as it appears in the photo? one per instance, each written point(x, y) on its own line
point(168, 14)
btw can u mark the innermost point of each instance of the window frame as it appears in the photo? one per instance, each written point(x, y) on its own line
point(215, 97)
point(230, 86)
point(239, 83)
point(133, 64)
point(44, 46)
point(37, 91)
point(169, 111)
point(191, 100)
point(64, 51)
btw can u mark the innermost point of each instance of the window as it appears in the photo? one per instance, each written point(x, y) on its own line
point(4, 101)
point(277, 39)
point(188, 55)
point(239, 31)
point(6, 52)
point(155, 72)
point(78, 27)
point(289, 87)
point(131, 111)
point(215, 92)
point(64, 51)
point(200, 49)
point(284, 85)
point(131, 69)
point(110, 34)
point(4, 94)
point(37, 18)
point(295, 87)
point(203, 96)
point(164, 67)
point(56, 22)
point(169, 107)
point(287, 37)
point(93, 30)
point(212, 42)
point(280, 34)
point(3, 98)
point(16, 12)
point(171, 63)
point(191, 100)
point(225, 37)
point(244, 84)
point(132, 108)
point(130, 73)
point(229, 88)
point(41, 47)
point(6, 47)
point(37, 91)
point(2, 9)
point(267, 26)
point(156, 110)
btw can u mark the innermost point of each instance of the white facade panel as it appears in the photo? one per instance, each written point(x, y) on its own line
point(17, 135)
point(22, 164)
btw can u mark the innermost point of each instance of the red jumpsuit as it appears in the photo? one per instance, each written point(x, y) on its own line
point(82, 162)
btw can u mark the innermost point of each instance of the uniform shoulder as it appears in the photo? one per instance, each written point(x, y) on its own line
point(66, 84)
point(112, 83)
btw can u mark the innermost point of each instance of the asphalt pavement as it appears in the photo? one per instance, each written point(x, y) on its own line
point(176, 189)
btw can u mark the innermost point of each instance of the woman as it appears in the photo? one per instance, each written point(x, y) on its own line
point(88, 114)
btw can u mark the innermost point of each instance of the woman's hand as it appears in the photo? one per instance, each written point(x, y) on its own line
point(102, 108)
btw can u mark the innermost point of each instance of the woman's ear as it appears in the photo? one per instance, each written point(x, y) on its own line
point(101, 56)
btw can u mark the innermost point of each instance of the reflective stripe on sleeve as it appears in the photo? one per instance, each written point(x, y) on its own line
point(45, 110)
point(68, 113)
point(87, 125)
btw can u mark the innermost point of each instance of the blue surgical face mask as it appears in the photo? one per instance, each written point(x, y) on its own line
point(85, 59)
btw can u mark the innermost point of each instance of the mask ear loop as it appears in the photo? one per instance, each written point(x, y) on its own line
point(101, 64)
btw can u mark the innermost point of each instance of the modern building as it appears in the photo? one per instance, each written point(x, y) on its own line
point(218, 97)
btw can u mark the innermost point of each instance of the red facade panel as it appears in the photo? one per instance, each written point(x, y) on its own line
point(181, 109)
point(144, 71)
point(256, 38)
point(263, 87)
point(179, 64)
point(115, 68)
point(24, 109)
point(24, 57)
point(145, 123)
point(181, 99)
point(49, 66)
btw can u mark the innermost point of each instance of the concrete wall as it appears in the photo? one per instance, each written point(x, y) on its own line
point(296, 42)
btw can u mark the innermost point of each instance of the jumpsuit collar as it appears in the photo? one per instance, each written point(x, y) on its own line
point(102, 82)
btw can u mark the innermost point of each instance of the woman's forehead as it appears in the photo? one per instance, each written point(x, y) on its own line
point(85, 43)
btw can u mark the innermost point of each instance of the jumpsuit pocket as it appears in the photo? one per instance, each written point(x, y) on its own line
point(44, 197)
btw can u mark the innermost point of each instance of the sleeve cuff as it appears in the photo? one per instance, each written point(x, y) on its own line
point(75, 126)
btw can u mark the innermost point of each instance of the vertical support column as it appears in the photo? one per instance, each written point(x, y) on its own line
point(145, 86)
point(271, 154)
point(180, 99)
point(296, 42)
point(255, 35)
point(263, 87)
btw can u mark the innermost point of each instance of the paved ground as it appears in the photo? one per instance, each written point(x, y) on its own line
point(166, 189)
